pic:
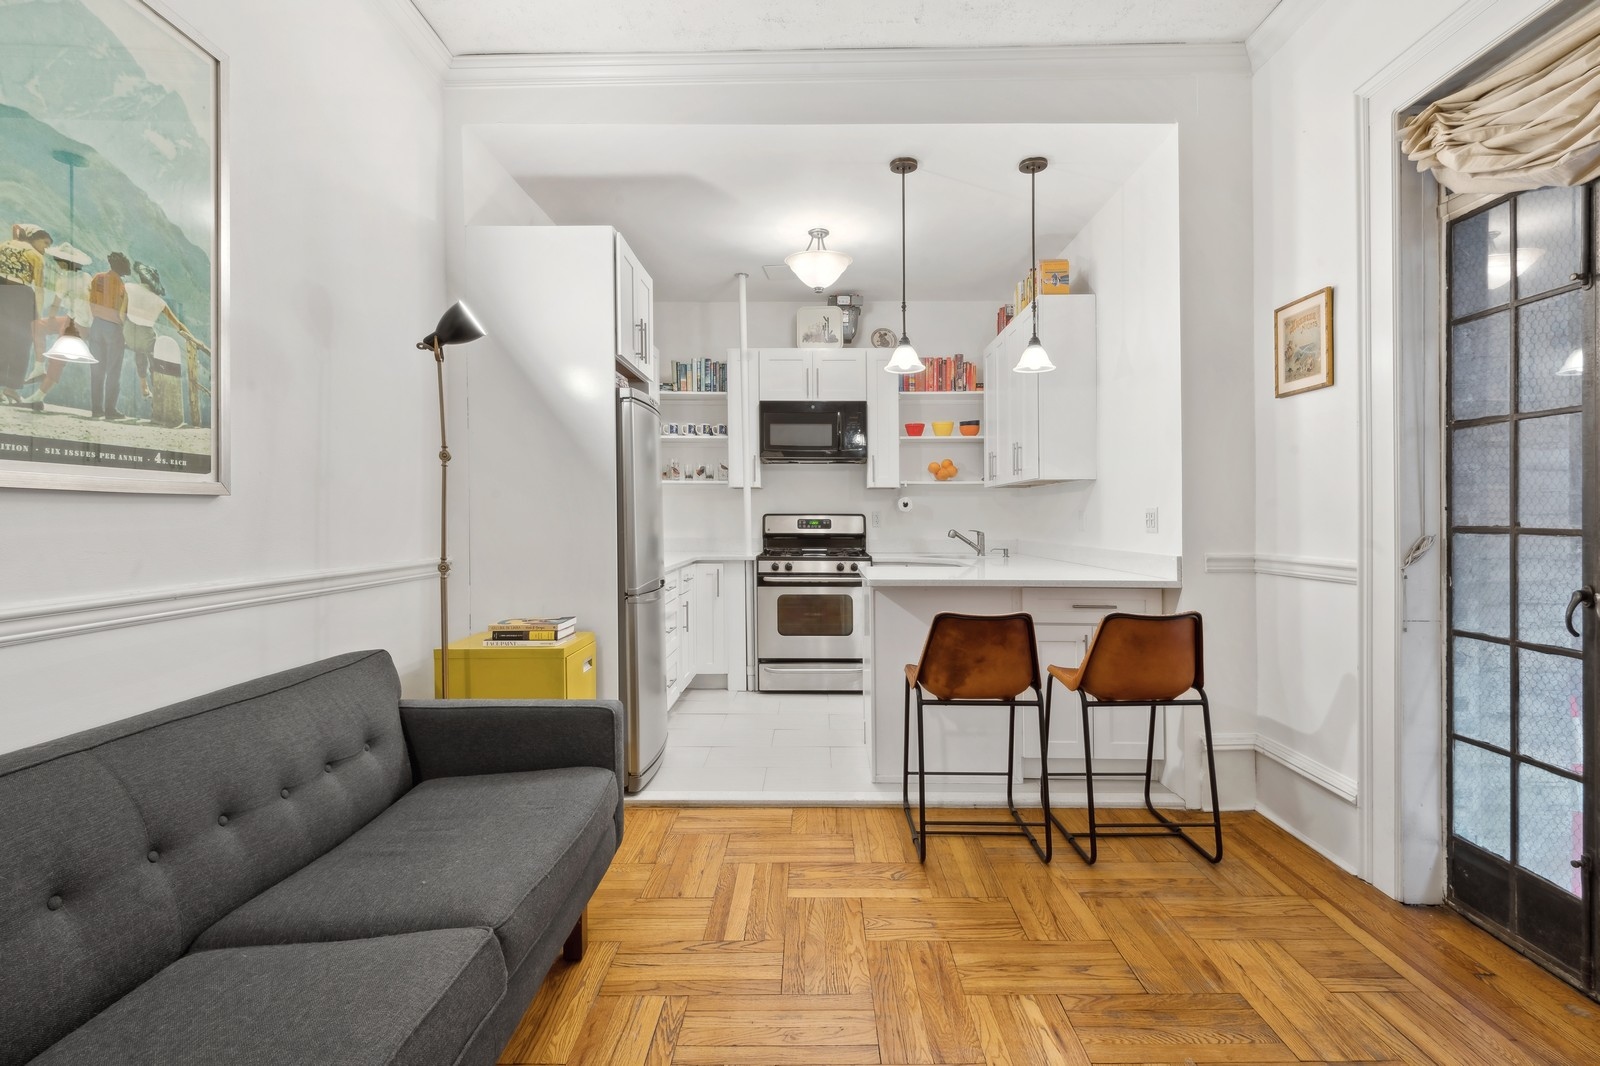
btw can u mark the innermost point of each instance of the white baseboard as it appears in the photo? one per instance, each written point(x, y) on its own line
point(72, 618)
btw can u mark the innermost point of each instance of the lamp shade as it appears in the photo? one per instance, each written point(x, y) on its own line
point(1034, 359)
point(1573, 366)
point(69, 348)
point(817, 266)
point(456, 326)
point(904, 359)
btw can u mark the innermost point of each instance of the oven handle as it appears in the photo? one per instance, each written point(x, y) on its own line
point(816, 581)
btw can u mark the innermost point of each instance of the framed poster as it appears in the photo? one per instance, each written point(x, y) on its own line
point(1302, 344)
point(111, 237)
point(819, 327)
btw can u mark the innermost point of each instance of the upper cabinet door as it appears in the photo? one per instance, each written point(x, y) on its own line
point(644, 311)
point(633, 301)
point(840, 375)
point(785, 374)
point(883, 423)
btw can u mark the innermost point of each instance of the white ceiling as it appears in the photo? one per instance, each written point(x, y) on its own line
point(698, 203)
point(470, 27)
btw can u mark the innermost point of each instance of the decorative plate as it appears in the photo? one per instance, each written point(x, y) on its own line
point(883, 337)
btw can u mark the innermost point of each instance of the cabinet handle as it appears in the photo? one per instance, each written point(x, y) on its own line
point(717, 576)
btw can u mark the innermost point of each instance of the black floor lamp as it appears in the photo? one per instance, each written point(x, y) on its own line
point(456, 326)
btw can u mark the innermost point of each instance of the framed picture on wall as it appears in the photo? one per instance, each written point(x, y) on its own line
point(111, 238)
point(819, 327)
point(1302, 344)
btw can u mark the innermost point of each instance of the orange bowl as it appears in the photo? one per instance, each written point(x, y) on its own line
point(914, 429)
point(969, 429)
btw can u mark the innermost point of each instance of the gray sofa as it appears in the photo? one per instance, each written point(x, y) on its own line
point(300, 869)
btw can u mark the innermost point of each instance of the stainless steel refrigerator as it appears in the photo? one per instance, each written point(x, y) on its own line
point(643, 678)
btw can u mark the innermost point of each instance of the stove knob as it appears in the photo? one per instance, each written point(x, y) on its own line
point(855, 566)
point(838, 566)
point(787, 566)
point(774, 566)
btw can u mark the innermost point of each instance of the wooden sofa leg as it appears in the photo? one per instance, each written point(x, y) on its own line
point(573, 951)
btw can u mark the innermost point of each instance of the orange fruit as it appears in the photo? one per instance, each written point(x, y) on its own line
point(933, 467)
point(948, 464)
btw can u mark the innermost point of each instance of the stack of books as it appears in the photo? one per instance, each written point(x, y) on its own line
point(531, 632)
point(944, 373)
point(699, 375)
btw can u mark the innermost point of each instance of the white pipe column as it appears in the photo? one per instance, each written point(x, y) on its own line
point(744, 401)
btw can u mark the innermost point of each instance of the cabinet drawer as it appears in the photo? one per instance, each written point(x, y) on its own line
point(1086, 606)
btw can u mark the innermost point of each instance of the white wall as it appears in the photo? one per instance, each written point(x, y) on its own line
point(336, 240)
point(1308, 227)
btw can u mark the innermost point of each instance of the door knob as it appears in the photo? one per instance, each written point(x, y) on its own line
point(1583, 597)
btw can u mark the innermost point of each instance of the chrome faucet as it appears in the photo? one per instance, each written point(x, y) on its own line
point(977, 546)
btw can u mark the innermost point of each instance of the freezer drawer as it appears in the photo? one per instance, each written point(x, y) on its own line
point(644, 685)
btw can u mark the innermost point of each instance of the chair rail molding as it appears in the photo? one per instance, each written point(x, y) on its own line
point(1304, 567)
point(53, 620)
point(1340, 784)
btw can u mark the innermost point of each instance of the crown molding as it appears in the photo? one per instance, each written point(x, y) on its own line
point(1276, 29)
point(418, 32)
point(846, 65)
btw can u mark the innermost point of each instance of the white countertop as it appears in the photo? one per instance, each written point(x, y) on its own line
point(997, 572)
point(899, 570)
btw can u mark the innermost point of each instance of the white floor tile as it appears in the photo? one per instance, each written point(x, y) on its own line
point(740, 734)
point(851, 759)
point(847, 720)
point(695, 779)
point(684, 756)
point(807, 782)
point(821, 736)
point(815, 758)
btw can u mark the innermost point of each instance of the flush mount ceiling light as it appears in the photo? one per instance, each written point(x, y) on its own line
point(904, 359)
point(817, 266)
point(1034, 359)
point(1498, 264)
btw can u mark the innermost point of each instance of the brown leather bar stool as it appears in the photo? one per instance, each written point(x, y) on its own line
point(974, 661)
point(1137, 660)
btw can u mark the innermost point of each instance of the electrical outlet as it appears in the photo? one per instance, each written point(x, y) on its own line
point(877, 520)
point(1152, 520)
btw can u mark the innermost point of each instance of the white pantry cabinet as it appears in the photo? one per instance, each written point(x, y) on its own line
point(1040, 428)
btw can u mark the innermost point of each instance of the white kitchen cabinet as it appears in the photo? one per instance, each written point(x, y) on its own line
point(812, 374)
point(672, 661)
point(1042, 427)
point(1064, 621)
point(686, 607)
point(635, 305)
point(883, 423)
point(708, 621)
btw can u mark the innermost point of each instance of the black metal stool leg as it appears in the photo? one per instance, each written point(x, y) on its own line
point(922, 786)
point(1215, 824)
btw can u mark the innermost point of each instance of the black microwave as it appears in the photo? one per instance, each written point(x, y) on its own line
point(813, 431)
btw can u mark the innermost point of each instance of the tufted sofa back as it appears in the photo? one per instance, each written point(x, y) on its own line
point(123, 843)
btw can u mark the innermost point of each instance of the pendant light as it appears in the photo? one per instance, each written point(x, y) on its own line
point(1034, 360)
point(817, 266)
point(904, 359)
point(70, 348)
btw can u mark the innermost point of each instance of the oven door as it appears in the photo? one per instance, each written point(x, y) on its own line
point(802, 619)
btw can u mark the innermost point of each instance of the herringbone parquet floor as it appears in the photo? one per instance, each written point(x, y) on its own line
point(770, 935)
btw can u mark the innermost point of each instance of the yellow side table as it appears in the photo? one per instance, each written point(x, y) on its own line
point(564, 671)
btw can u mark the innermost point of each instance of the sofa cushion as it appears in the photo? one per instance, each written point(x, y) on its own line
point(125, 842)
point(496, 850)
point(412, 1000)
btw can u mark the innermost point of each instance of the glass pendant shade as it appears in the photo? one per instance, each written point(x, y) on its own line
point(818, 267)
point(904, 359)
point(70, 348)
point(1573, 367)
point(1034, 360)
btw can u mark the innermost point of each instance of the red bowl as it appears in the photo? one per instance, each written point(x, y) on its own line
point(914, 429)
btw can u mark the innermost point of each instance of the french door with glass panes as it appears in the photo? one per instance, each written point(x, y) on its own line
point(1521, 429)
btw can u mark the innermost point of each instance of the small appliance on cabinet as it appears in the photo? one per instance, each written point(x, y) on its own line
point(811, 603)
point(813, 431)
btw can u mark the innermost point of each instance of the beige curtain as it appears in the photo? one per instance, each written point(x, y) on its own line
point(1534, 122)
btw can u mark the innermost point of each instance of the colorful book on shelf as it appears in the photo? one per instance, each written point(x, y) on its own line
point(947, 373)
point(541, 629)
point(697, 375)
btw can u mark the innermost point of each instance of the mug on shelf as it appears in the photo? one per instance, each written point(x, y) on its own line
point(689, 429)
point(707, 429)
point(675, 470)
point(670, 429)
point(721, 429)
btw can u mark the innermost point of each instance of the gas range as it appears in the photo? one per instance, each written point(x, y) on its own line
point(811, 603)
point(813, 544)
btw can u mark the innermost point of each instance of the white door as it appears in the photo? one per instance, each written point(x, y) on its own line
point(785, 374)
point(883, 425)
point(839, 376)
